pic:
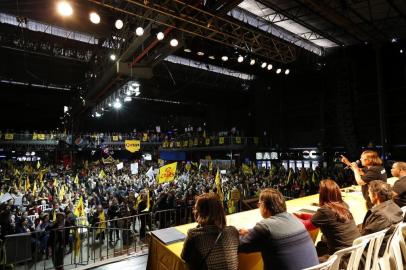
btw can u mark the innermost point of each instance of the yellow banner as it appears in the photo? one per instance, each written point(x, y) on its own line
point(132, 145)
point(167, 173)
point(115, 138)
point(34, 136)
point(41, 137)
point(221, 140)
point(9, 136)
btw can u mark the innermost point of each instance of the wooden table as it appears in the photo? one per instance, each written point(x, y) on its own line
point(167, 257)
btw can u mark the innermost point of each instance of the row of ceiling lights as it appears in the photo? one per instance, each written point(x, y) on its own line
point(65, 9)
point(241, 59)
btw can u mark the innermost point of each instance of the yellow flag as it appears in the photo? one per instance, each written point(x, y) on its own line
point(102, 174)
point(34, 188)
point(246, 169)
point(62, 192)
point(102, 223)
point(56, 183)
point(80, 208)
point(38, 164)
point(167, 173)
point(210, 166)
point(27, 184)
point(76, 181)
point(132, 145)
point(218, 185)
point(148, 203)
point(188, 166)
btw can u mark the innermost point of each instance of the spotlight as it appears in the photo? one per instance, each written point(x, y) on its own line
point(401, 51)
point(32, 153)
point(393, 40)
point(240, 59)
point(139, 31)
point(287, 72)
point(119, 24)
point(270, 66)
point(97, 114)
point(187, 50)
point(224, 58)
point(109, 104)
point(113, 57)
point(263, 65)
point(252, 62)
point(212, 57)
point(64, 9)
point(117, 104)
point(174, 42)
point(278, 71)
point(94, 17)
point(127, 99)
point(200, 53)
point(160, 36)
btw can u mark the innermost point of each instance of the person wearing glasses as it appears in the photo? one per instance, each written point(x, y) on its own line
point(212, 245)
point(281, 238)
point(372, 169)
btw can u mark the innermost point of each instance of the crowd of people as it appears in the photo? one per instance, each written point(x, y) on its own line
point(109, 193)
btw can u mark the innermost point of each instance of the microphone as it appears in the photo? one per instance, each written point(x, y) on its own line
point(358, 162)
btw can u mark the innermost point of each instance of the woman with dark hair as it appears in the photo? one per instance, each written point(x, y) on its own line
point(334, 220)
point(372, 169)
point(212, 245)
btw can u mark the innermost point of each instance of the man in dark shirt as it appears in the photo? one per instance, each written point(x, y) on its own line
point(399, 188)
point(384, 214)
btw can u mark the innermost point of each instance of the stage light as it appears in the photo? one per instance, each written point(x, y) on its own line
point(174, 42)
point(240, 59)
point(119, 24)
point(117, 104)
point(278, 71)
point(113, 57)
point(127, 99)
point(32, 153)
point(287, 72)
point(270, 67)
point(252, 62)
point(109, 104)
point(393, 40)
point(64, 9)
point(97, 114)
point(94, 17)
point(224, 58)
point(139, 31)
point(160, 36)
point(200, 53)
point(187, 50)
point(212, 57)
point(401, 51)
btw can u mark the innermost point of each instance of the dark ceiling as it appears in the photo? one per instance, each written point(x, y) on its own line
point(76, 71)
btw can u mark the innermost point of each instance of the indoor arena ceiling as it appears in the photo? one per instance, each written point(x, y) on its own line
point(234, 38)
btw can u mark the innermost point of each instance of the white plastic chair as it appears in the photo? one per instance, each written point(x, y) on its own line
point(403, 210)
point(374, 241)
point(324, 266)
point(354, 258)
point(394, 252)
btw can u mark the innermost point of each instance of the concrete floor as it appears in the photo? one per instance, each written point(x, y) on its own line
point(133, 263)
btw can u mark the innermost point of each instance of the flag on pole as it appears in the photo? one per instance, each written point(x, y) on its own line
point(76, 181)
point(167, 173)
point(218, 185)
point(38, 164)
point(102, 174)
point(34, 188)
point(27, 184)
point(80, 208)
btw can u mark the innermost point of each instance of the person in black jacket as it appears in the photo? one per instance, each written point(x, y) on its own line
point(113, 213)
point(372, 170)
point(385, 214)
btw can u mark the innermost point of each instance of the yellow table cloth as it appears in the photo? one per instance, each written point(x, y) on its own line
point(167, 257)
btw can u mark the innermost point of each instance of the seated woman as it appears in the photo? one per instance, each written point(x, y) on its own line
point(334, 220)
point(212, 245)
